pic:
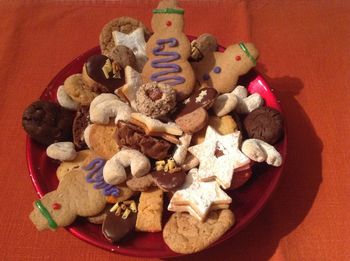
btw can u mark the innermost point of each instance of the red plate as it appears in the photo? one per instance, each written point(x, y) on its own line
point(247, 201)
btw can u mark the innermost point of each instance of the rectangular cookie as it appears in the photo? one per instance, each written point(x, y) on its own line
point(150, 209)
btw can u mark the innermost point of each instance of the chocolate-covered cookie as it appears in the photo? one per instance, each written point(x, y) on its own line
point(132, 136)
point(264, 124)
point(47, 122)
point(81, 121)
point(101, 72)
point(170, 180)
point(117, 225)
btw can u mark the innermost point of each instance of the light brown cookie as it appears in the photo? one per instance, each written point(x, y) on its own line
point(123, 56)
point(150, 209)
point(73, 197)
point(82, 159)
point(122, 24)
point(124, 194)
point(78, 90)
point(102, 140)
point(168, 51)
point(194, 121)
point(222, 69)
point(223, 125)
point(185, 234)
point(141, 183)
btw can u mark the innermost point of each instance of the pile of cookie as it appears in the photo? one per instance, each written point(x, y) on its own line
point(155, 123)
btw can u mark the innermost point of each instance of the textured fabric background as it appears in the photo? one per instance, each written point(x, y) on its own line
point(304, 57)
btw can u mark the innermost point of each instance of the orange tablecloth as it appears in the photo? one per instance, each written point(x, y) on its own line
point(305, 58)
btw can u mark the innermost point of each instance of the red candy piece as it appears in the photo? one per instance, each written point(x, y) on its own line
point(168, 23)
point(238, 58)
point(56, 206)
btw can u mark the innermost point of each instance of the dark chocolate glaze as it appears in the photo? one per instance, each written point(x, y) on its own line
point(191, 105)
point(169, 181)
point(94, 69)
point(115, 228)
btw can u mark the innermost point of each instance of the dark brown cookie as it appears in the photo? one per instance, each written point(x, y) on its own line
point(124, 56)
point(81, 121)
point(47, 122)
point(264, 124)
point(102, 74)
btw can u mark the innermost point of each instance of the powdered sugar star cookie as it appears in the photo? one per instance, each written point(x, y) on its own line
point(135, 41)
point(219, 155)
point(133, 82)
point(199, 196)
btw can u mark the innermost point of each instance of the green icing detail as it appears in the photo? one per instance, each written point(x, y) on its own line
point(46, 214)
point(168, 11)
point(245, 49)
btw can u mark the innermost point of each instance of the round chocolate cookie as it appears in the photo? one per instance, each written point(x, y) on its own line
point(47, 122)
point(103, 74)
point(81, 121)
point(264, 124)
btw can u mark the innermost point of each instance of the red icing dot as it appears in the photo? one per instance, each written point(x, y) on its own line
point(56, 206)
point(168, 23)
point(238, 58)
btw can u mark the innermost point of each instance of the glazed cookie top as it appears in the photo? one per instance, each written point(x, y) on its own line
point(105, 71)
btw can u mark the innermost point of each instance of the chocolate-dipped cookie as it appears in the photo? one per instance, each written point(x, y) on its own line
point(81, 121)
point(171, 180)
point(264, 124)
point(102, 74)
point(47, 122)
point(118, 224)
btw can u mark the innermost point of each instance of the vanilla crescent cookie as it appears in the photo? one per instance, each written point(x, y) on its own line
point(65, 100)
point(106, 106)
point(114, 171)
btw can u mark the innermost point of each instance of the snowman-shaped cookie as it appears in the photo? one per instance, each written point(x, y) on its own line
point(168, 50)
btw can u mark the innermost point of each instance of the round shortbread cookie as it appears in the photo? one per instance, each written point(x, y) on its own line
point(185, 234)
point(102, 140)
point(122, 24)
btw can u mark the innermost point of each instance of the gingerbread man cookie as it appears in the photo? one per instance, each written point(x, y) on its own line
point(221, 70)
point(168, 50)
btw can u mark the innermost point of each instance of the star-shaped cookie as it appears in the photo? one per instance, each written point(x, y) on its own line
point(198, 197)
point(219, 155)
point(134, 41)
point(133, 82)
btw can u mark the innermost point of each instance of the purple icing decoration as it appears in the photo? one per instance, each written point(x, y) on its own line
point(217, 69)
point(206, 77)
point(165, 63)
point(96, 176)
